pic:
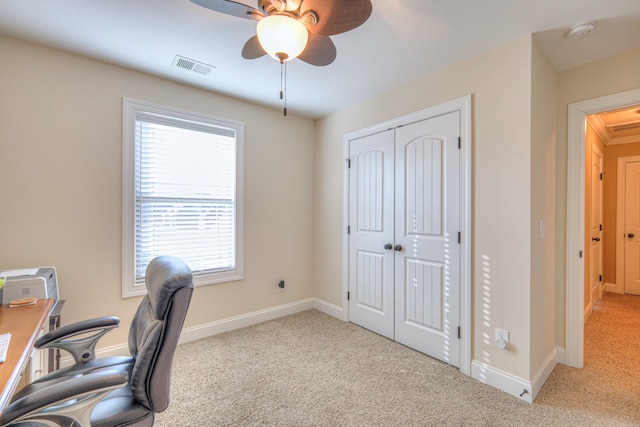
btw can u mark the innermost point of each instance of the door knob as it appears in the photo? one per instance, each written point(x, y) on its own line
point(631, 235)
point(398, 248)
point(595, 239)
point(388, 246)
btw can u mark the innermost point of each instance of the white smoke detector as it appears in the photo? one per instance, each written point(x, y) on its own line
point(578, 31)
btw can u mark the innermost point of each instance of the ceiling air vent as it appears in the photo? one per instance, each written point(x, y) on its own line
point(624, 126)
point(191, 65)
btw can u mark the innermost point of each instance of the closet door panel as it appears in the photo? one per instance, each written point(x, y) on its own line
point(371, 269)
point(427, 212)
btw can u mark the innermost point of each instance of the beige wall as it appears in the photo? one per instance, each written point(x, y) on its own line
point(543, 178)
point(60, 184)
point(500, 84)
point(612, 75)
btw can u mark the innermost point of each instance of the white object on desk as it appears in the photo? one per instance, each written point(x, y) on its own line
point(17, 273)
point(4, 346)
point(43, 283)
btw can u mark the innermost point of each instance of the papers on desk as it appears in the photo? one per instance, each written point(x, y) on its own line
point(4, 346)
point(23, 302)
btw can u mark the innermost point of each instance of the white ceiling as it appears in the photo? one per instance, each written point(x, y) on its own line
point(401, 41)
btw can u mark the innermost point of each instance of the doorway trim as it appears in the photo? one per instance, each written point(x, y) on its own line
point(463, 106)
point(574, 304)
point(620, 219)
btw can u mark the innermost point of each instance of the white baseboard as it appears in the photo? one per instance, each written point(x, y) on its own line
point(610, 287)
point(330, 309)
point(195, 333)
point(511, 384)
point(502, 380)
point(543, 373)
point(587, 312)
point(560, 352)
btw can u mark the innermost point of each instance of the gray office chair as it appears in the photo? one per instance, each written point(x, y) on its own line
point(112, 392)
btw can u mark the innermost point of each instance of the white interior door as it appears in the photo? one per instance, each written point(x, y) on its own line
point(595, 228)
point(404, 216)
point(371, 229)
point(632, 229)
point(427, 217)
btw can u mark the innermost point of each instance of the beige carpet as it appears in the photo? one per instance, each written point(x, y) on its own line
point(310, 369)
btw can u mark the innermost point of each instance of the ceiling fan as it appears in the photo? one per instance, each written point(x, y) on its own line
point(305, 24)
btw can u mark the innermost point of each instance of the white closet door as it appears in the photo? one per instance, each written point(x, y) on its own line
point(595, 275)
point(371, 220)
point(404, 215)
point(632, 230)
point(427, 222)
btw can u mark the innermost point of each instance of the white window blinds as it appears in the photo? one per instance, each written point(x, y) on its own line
point(185, 194)
point(181, 194)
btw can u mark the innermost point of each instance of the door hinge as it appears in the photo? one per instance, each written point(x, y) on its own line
point(580, 254)
point(600, 278)
point(348, 229)
point(459, 332)
point(600, 227)
point(348, 163)
point(459, 237)
point(348, 296)
point(601, 176)
point(459, 143)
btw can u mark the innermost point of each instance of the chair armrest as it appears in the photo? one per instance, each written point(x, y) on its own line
point(75, 397)
point(79, 338)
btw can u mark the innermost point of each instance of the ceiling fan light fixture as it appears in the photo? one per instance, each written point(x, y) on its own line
point(282, 37)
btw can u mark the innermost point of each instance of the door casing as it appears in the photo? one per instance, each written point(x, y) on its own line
point(462, 105)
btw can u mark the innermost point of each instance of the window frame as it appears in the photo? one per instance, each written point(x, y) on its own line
point(131, 109)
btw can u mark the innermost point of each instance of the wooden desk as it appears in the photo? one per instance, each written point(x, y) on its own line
point(25, 324)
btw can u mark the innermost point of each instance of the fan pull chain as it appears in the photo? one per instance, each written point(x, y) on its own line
point(281, 67)
point(285, 89)
point(283, 82)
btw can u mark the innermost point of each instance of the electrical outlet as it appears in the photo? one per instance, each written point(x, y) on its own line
point(280, 286)
point(502, 339)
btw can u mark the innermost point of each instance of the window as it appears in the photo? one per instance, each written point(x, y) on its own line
point(182, 193)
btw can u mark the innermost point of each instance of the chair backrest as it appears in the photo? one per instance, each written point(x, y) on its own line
point(155, 330)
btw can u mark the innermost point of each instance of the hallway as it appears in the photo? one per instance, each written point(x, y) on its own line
point(609, 383)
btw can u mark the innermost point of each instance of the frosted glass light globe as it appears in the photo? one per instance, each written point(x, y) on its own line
point(282, 37)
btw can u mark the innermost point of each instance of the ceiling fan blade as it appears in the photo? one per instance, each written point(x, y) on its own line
point(229, 7)
point(320, 50)
point(252, 49)
point(337, 16)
